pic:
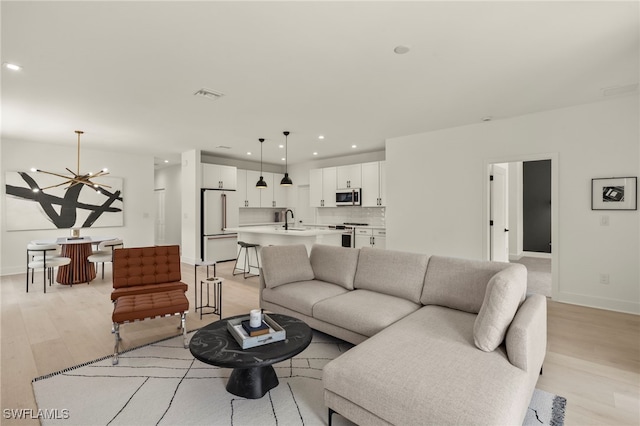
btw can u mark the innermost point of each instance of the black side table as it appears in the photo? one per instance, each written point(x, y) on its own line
point(253, 374)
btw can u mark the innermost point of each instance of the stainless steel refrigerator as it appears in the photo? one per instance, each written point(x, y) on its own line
point(218, 210)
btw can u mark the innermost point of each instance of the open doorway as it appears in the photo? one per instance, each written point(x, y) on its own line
point(521, 212)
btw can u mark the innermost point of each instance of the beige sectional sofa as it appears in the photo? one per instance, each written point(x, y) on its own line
point(439, 340)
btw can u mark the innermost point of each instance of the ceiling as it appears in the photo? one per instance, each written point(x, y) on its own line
point(126, 72)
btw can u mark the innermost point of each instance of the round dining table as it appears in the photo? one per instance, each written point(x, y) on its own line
point(80, 270)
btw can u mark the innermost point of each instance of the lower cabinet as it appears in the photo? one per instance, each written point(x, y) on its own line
point(376, 238)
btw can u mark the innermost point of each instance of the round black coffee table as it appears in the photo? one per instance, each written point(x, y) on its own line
point(253, 374)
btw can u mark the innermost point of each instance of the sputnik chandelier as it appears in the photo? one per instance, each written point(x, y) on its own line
point(77, 178)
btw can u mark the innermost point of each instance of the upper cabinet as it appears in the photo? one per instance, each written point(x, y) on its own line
point(216, 176)
point(373, 184)
point(273, 195)
point(249, 194)
point(348, 177)
point(322, 187)
point(280, 193)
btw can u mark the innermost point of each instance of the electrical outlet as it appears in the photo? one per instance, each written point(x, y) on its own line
point(604, 279)
point(604, 220)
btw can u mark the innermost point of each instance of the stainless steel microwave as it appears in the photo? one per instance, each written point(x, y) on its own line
point(348, 197)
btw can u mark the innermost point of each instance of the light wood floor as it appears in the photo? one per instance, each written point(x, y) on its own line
point(593, 356)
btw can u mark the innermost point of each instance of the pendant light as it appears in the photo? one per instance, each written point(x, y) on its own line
point(77, 178)
point(286, 180)
point(261, 184)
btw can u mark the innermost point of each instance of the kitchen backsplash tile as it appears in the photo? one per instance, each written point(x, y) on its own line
point(258, 215)
point(374, 216)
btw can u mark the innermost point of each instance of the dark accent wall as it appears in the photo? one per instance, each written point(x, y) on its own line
point(536, 206)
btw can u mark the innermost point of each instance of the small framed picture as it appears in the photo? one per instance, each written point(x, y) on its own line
point(617, 193)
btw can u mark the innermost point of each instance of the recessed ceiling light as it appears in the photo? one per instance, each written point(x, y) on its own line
point(401, 49)
point(315, 153)
point(280, 146)
point(166, 161)
point(284, 159)
point(12, 67)
point(249, 153)
point(354, 146)
point(321, 137)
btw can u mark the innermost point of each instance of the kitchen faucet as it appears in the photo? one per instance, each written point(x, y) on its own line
point(286, 224)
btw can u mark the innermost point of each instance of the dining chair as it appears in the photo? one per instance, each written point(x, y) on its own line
point(105, 252)
point(44, 256)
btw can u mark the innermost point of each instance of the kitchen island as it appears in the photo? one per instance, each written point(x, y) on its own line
point(277, 235)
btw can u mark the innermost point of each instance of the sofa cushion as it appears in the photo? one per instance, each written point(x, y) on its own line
point(458, 283)
point(145, 289)
point(363, 311)
point(334, 264)
point(285, 264)
point(505, 292)
point(391, 272)
point(425, 369)
point(301, 296)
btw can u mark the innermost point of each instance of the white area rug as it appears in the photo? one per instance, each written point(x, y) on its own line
point(162, 383)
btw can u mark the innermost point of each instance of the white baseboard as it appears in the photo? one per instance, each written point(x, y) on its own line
point(599, 302)
point(536, 254)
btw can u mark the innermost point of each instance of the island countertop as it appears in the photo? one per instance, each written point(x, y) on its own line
point(279, 230)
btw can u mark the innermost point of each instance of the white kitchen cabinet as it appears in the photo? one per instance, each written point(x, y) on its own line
point(375, 238)
point(348, 177)
point(322, 187)
point(379, 239)
point(248, 194)
point(273, 195)
point(280, 193)
point(373, 184)
point(216, 176)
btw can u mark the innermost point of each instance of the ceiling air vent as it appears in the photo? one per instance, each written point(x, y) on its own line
point(209, 94)
point(619, 90)
point(223, 147)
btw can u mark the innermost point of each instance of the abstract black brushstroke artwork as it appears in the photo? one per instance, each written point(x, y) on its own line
point(64, 207)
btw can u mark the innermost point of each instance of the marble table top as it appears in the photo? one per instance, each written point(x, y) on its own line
point(213, 344)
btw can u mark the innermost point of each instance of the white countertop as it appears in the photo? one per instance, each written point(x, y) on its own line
point(279, 230)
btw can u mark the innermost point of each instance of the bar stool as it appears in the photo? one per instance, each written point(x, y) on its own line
point(246, 271)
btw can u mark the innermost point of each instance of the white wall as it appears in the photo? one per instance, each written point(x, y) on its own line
point(169, 179)
point(437, 194)
point(190, 182)
point(138, 198)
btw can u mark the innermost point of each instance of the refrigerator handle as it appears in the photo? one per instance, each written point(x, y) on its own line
point(224, 211)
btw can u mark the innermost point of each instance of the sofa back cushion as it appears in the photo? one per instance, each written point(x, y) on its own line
point(285, 264)
point(458, 283)
point(146, 265)
point(395, 273)
point(505, 293)
point(336, 265)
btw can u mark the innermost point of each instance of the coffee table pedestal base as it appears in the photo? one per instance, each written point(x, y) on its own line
point(252, 383)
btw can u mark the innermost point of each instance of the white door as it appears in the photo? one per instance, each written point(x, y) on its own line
point(498, 219)
point(160, 221)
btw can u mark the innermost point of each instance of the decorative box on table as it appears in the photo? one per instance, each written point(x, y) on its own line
point(276, 332)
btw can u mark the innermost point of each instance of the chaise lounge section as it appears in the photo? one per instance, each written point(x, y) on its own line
point(439, 340)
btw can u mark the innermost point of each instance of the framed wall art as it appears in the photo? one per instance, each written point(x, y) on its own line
point(60, 207)
point(616, 193)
